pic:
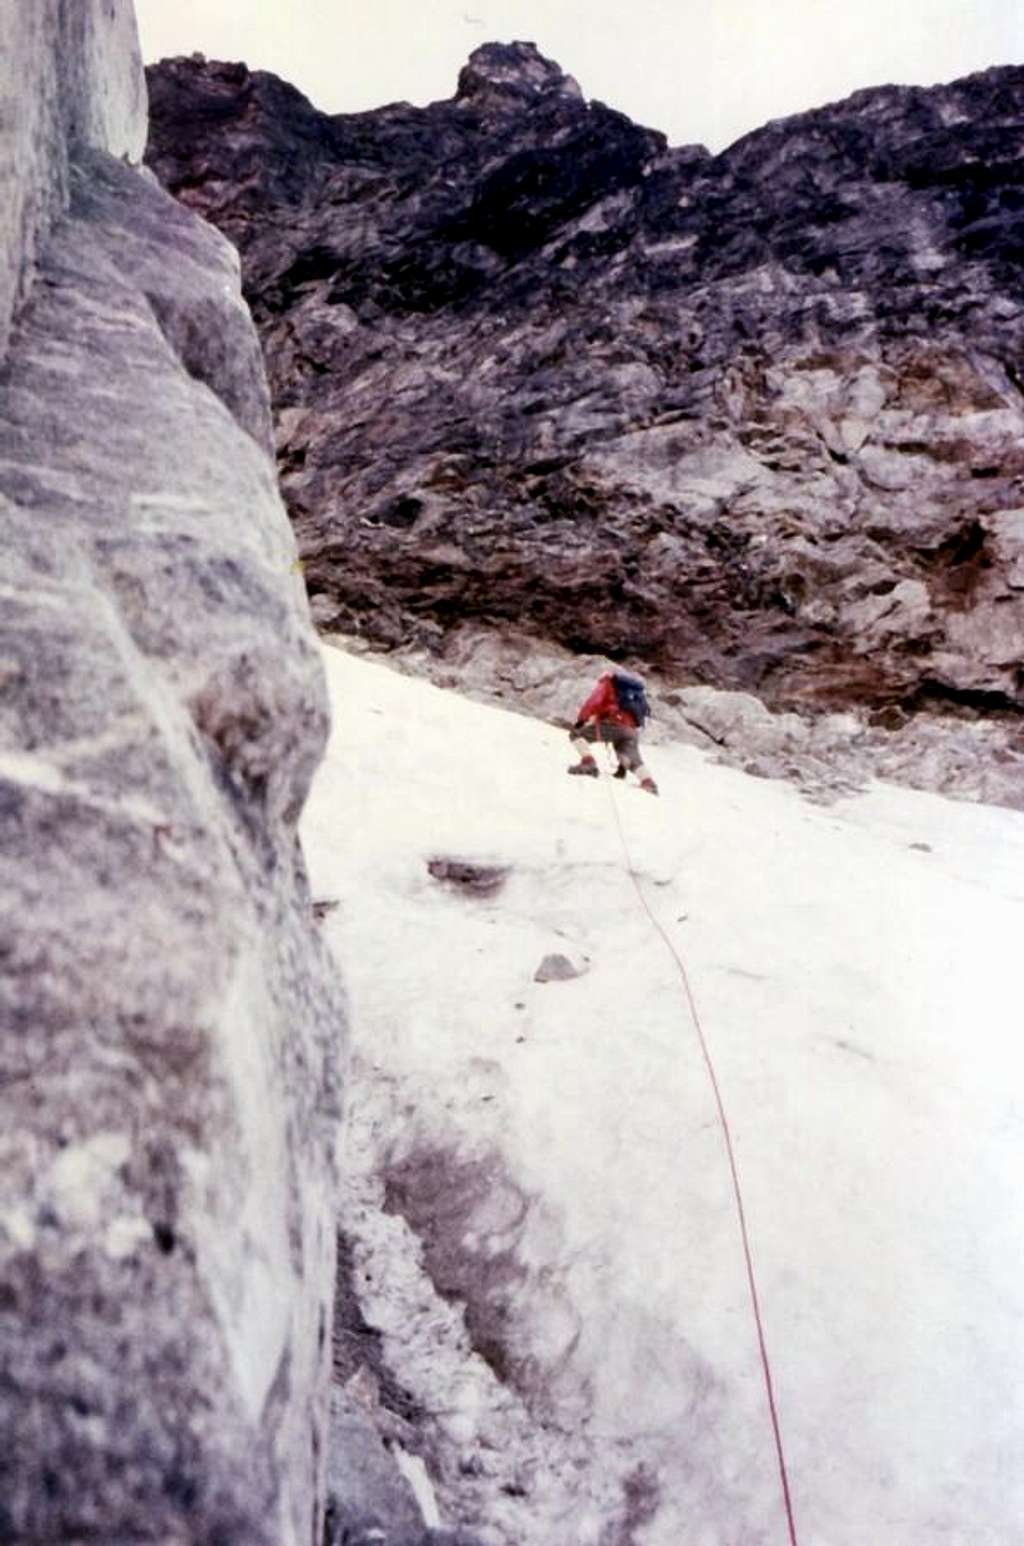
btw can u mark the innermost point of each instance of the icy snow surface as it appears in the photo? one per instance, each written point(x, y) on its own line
point(556, 1146)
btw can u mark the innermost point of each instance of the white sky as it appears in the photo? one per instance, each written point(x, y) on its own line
point(699, 70)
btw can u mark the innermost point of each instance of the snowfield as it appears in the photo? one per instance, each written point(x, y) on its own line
point(537, 1184)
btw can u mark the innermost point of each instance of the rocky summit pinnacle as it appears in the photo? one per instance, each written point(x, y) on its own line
point(509, 74)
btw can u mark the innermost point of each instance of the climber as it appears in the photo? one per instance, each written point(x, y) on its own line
point(613, 714)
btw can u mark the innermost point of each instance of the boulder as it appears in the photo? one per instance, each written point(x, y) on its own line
point(557, 967)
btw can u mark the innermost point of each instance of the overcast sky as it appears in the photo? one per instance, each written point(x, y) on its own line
point(699, 70)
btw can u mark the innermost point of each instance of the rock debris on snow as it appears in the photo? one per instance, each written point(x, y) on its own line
point(469, 875)
point(557, 968)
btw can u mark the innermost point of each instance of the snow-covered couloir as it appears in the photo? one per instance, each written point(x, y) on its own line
point(539, 1197)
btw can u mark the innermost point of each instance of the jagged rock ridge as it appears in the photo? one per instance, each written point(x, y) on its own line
point(755, 417)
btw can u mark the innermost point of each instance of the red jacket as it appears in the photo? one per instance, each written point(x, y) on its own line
point(603, 704)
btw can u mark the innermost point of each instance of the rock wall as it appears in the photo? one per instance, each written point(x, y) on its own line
point(752, 419)
point(170, 1021)
point(89, 89)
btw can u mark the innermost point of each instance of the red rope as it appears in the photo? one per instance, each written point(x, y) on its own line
point(734, 1172)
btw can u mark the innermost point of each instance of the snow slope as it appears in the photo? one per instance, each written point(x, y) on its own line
point(549, 1154)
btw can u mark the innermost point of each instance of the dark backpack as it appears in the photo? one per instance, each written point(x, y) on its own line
point(630, 695)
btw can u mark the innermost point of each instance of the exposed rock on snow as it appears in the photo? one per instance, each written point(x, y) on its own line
point(469, 876)
point(557, 968)
point(543, 1242)
point(753, 419)
point(169, 1020)
point(366, 1490)
point(379, 1494)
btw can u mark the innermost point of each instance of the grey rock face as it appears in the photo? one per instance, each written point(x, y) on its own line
point(69, 74)
point(754, 419)
point(169, 1022)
